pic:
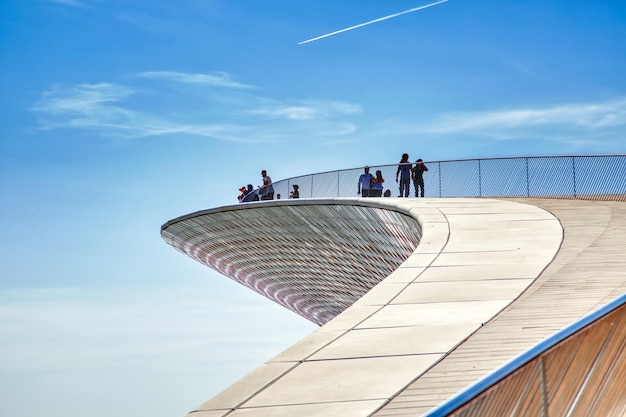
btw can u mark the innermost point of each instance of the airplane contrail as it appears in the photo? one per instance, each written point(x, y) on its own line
point(373, 21)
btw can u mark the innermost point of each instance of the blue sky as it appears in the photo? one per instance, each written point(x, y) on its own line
point(120, 115)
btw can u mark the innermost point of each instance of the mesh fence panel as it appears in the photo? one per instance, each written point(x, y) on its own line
point(601, 177)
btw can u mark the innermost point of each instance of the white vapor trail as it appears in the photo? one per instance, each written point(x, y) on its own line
point(373, 21)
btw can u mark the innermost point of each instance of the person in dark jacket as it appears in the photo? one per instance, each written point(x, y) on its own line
point(418, 178)
point(404, 172)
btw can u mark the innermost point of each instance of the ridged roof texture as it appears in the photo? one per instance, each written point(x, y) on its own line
point(315, 259)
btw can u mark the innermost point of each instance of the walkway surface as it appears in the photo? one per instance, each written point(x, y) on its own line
point(490, 279)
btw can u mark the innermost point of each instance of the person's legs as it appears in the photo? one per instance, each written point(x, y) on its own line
point(421, 184)
point(405, 185)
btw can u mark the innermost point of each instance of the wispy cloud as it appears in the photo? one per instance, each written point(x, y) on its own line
point(114, 110)
point(551, 123)
point(308, 110)
point(581, 115)
point(96, 107)
point(214, 79)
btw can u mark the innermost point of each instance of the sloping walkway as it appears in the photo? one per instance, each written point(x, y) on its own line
point(588, 272)
point(392, 351)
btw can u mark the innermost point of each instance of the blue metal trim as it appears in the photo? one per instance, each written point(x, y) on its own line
point(499, 374)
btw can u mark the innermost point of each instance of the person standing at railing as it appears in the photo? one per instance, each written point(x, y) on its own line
point(267, 191)
point(243, 192)
point(404, 171)
point(377, 185)
point(251, 195)
point(418, 176)
point(365, 183)
point(295, 193)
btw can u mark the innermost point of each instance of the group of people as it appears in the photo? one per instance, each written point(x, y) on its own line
point(369, 185)
point(407, 172)
point(263, 192)
point(372, 185)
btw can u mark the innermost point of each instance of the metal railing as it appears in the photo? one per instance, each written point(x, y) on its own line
point(597, 177)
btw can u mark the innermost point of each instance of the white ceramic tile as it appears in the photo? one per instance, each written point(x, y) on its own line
point(425, 292)
point(246, 386)
point(426, 339)
point(343, 380)
point(435, 313)
point(349, 408)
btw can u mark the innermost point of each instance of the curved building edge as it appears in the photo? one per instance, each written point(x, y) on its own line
point(579, 371)
point(474, 261)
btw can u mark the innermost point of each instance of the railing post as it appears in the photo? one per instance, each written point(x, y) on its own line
point(527, 180)
point(439, 165)
point(574, 174)
point(480, 182)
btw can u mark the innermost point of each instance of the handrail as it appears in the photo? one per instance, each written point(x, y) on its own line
point(598, 177)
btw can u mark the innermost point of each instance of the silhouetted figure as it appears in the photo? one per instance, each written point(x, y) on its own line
point(365, 183)
point(404, 171)
point(377, 185)
point(295, 193)
point(242, 193)
point(418, 178)
point(267, 190)
point(251, 195)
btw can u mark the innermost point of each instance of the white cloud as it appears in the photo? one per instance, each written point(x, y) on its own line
point(291, 112)
point(308, 110)
point(95, 107)
point(588, 116)
point(112, 110)
point(571, 121)
point(214, 79)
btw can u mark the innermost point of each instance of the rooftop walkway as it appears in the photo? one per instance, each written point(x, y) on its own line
point(489, 279)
